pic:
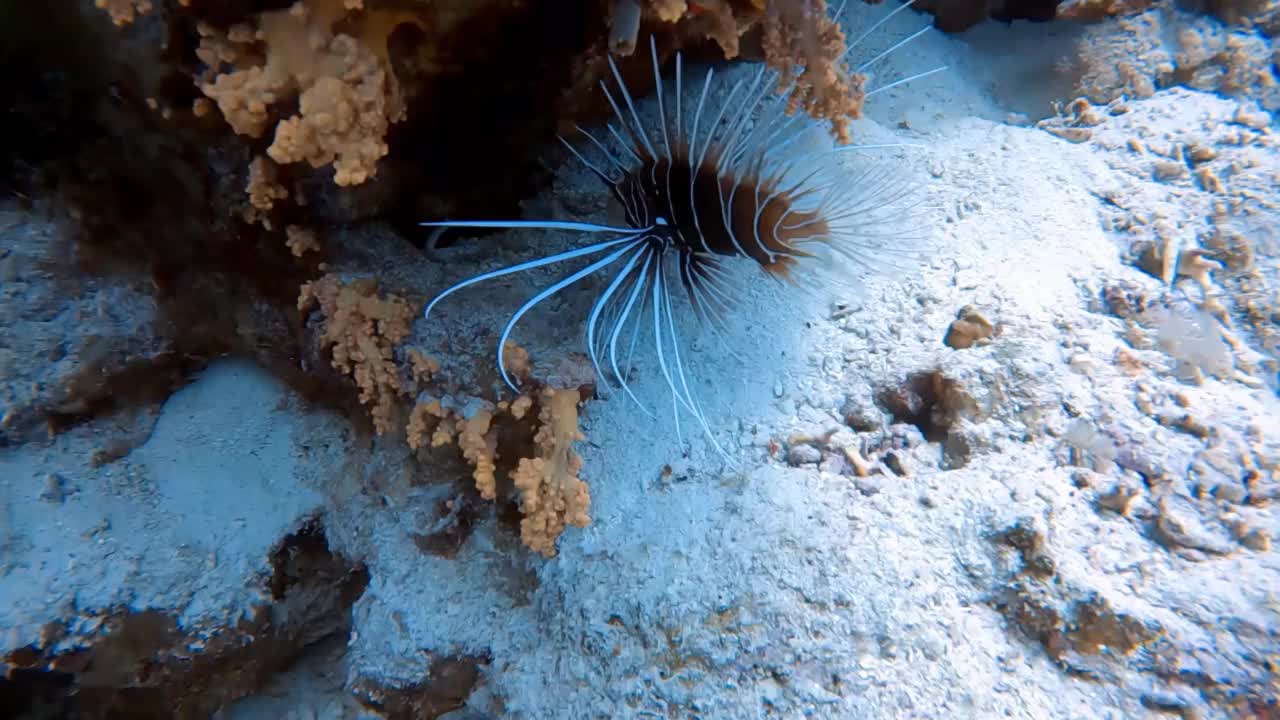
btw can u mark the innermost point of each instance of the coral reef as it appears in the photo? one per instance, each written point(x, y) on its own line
point(1039, 474)
point(536, 461)
point(551, 495)
point(807, 48)
point(362, 330)
point(264, 187)
point(325, 89)
point(123, 12)
point(346, 90)
point(301, 240)
point(798, 38)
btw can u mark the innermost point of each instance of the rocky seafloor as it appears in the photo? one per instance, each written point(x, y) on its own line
point(1033, 475)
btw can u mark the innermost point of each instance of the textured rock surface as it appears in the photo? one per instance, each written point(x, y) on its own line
point(173, 576)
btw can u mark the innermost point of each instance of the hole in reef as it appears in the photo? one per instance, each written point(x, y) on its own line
point(930, 401)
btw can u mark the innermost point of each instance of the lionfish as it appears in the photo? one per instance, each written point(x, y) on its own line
point(700, 191)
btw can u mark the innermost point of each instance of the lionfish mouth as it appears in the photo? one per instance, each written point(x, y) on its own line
point(700, 191)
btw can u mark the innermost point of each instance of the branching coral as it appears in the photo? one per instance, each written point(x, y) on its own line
point(422, 367)
point(123, 12)
point(343, 118)
point(479, 447)
point(718, 20)
point(421, 419)
point(348, 95)
point(800, 40)
point(301, 240)
point(801, 35)
point(516, 361)
point(474, 432)
point(263, 187)
point(362, 329)
point(551, 495)
point(718, 23)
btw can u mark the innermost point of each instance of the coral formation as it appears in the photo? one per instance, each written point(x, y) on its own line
point(264, 187)
point(513, 456)
point(123, 12)
point(301, 240)
point(802, 35)
point(348, 95)
point(317, 81)
point(479, 447)
point(551, 495)
point(799, 39)
point(361, 329)
point(422, 368)
point(1130, 440)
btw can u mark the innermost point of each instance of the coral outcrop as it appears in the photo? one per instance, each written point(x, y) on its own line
point(533, 463)
point(345, 88)
point(361, 330)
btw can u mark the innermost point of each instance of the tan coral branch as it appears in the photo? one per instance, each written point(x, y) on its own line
point(551, 495)
point(362, 329)
point(802, 35)
point(346, 91)
point(123, 12)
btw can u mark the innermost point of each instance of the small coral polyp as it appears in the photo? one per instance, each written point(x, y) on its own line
point(123, 12)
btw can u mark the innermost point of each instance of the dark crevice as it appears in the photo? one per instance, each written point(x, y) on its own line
point(144, 666)
point(928, 400)
point(479, 155)
point(449, 682)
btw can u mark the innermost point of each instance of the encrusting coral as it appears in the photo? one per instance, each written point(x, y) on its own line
point(362, 330)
